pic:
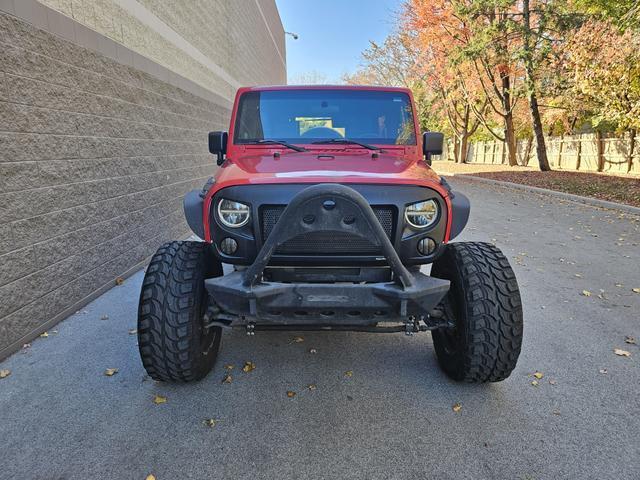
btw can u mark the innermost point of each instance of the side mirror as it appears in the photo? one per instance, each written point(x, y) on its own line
point(432, 144)
point(218, 145)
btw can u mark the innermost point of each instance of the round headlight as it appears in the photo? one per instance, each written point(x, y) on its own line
point(421, 214)
point(233, 214)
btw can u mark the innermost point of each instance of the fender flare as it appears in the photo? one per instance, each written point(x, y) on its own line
point(193, 204)
point(460, 209)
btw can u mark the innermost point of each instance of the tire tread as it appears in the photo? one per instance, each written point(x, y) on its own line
point(167, 312)
point(493, 311)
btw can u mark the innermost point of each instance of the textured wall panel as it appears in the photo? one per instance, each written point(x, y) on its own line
point(99, 142)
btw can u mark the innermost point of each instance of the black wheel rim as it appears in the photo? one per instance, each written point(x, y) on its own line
point(207, 334)
point(450, 337)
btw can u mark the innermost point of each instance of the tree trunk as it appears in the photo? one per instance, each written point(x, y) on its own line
point(510, 140)
point(456, 143)
point(509, 130)
point(465, 135)
point(632, 145)
point(600, 150)
point(527, 152)
point(579, 153)
point(560, 147)
point(541, 148)
point(464, 147)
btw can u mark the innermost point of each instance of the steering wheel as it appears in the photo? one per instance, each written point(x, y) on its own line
point(321, 132)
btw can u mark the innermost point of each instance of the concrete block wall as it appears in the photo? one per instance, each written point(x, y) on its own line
point(98, 145)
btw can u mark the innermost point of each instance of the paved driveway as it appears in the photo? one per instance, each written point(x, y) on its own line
point(60, 417)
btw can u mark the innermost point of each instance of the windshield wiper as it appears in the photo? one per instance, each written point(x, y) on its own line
point(278, 142)
point(346, 141)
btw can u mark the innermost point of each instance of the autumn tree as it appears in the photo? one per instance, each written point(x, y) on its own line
point(434, 33)
point(396, 63)
point(479, 66)
point(603, 65)
point(470, 35)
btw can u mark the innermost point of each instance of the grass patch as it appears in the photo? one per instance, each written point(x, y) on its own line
point(613, 188)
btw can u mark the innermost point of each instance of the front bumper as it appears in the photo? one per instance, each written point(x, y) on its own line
point(243, 297)
point(324, 303)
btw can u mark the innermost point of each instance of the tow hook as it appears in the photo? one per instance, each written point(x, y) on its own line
point(214, 317)
point(411, 326)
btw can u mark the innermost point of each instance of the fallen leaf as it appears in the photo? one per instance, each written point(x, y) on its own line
point(210, 422)
point(534, 383)
point(5, 373)
point(556, 412)
point(348, 373)
point(248, 367)
point(54, 332)
point(538, 375)
point(104, 317)
point(552, 382)
point(313, 350)
point(297, 340)
point(619, 285)
point(603, 371)
point(456, 407)
point(228, 367)
point(26, 345)
point(158, 399)
point(621, 353)
point(350, 398)
point(44, 334)
point(291, 394)
point(635, 290)
point(578, 275)
point(150, 477)
point(312, 386)
point(110, 372)
point(133, 331)
point(119, 281)
point(629, 339)
point(227, 378)
point(586, 293)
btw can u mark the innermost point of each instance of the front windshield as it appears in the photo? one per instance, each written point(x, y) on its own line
point(307, 116)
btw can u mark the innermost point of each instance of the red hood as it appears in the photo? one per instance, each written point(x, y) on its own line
point(334, 166)
point(328, 166)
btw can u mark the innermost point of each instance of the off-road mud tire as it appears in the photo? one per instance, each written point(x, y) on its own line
point(173, 343)
point(484, 301)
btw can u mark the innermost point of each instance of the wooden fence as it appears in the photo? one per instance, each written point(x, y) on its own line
point(585, 152)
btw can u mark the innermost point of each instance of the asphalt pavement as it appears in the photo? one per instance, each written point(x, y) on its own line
point(391, 416)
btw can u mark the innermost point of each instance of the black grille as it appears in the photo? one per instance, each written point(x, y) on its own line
point(326, 242)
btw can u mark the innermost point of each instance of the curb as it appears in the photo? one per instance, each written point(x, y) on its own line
point(594, 202)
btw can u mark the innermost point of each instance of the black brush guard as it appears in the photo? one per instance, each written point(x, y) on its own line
point(244, 298)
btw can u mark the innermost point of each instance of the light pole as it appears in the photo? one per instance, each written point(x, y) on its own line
point(294, 35)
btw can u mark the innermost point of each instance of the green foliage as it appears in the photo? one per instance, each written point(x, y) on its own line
point(580, 58)
point(612, 10)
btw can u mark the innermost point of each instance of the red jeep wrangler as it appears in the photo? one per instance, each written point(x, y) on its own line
point(326, 207)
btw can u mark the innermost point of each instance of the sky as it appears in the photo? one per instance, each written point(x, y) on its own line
point(332, 35)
